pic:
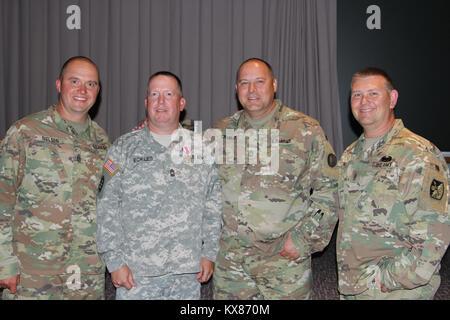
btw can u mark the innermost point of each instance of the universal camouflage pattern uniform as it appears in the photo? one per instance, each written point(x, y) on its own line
point(394, 221)
point(48, 181)
point(261, 210)
point(156, 216)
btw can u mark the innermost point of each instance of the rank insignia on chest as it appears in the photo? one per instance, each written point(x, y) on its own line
point(100, 185)
point(110, 166)
point(436, 189)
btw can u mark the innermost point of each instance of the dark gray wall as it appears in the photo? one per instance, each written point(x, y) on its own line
point(203, 42)
point(413, 46)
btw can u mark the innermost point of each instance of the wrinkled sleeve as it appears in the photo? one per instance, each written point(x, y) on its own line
point(110, 236)
point(212, 216)
point(426, 199)
point(12, 161)
point(314, 232)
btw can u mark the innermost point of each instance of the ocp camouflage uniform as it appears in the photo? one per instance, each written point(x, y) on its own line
point(157, 216)
point(393, 221)
point(260, 210)
point(48, 181)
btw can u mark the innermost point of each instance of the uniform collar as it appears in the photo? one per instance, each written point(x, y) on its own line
point(160, 148)
point(379, 146)
point(239, 120)
point(63, 125)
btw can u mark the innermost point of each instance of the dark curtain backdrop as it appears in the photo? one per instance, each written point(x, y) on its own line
point(202, 41)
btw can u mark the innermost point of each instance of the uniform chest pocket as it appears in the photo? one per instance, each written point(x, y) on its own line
point(229, 172)
point(293, 165)
point(292, 160)
point(192, 180)
point(92, 158)
point(384, 193)
point(388, 177)
point(143, 170)
point(48, 165)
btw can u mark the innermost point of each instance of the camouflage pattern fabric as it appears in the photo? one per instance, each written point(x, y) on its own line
point(44, 287)
point(167, 287)
point(48, 182)
point(260, 210)
point(245, 274)
point(394, 223)
point(155, 215)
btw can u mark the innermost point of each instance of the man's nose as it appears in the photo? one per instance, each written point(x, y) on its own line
point(363, 98)
point(251, 87)
point(83, 88)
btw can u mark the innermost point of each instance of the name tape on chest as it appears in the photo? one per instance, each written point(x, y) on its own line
point(98, 146)
point(385, 161)
point(51, 140)
point(139, 159)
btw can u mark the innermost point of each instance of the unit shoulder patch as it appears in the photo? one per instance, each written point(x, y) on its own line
point(436, 189)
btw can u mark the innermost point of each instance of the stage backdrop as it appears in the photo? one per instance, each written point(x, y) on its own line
point(202, 41)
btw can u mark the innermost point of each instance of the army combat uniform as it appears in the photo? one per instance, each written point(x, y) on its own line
point(394, 221)
point(48, 181)
point(262, 207)
point(158, 214)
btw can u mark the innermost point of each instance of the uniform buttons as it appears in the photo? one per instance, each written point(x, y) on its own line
point(172, 173)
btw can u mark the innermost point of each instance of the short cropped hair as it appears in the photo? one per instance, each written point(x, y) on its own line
point(372, 71)
point(167, 74)
point(255, 59)
point(83, 58)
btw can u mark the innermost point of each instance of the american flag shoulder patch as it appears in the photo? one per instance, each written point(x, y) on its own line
point(110, 166)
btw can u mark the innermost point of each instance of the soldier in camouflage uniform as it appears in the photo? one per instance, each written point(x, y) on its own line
point(394, 222)
point(159, 212)
point(50, 167)
point(274, 218)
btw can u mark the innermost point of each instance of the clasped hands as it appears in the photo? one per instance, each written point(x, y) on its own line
point(123, 276)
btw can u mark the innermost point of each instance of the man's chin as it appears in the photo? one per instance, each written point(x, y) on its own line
point(161, 121)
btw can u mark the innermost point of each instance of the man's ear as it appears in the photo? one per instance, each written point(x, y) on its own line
point(394, 98)
point(182, 104)
point(58, 85)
